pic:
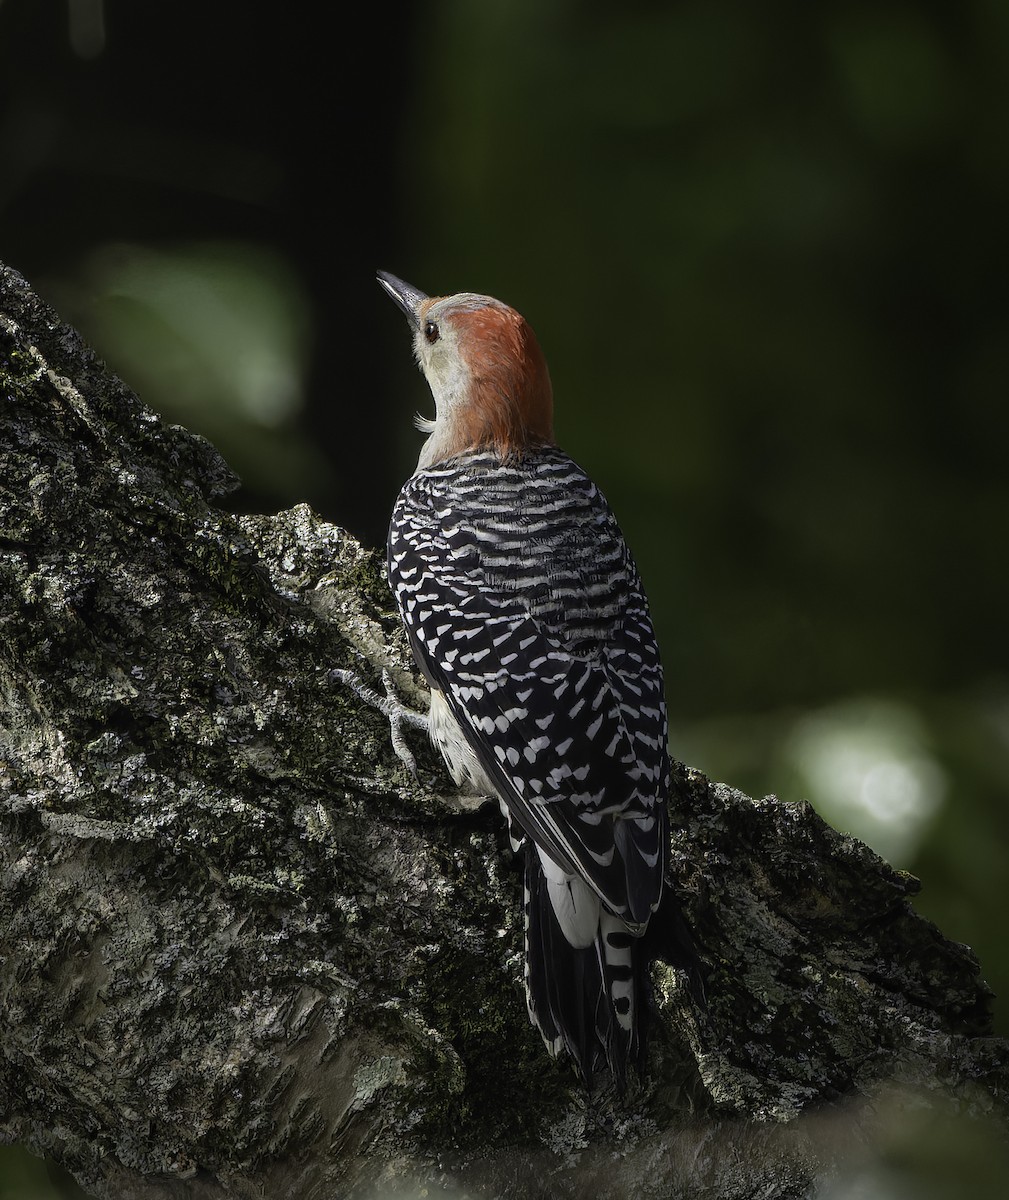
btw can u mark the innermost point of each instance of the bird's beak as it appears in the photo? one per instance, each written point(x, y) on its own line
point(408, 298)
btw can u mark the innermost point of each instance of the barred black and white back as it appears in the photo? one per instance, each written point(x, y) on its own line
point(526, 613)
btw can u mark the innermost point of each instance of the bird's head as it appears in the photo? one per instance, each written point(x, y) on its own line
point(487, 373)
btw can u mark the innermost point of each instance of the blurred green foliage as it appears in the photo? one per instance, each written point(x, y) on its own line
point(25, 1177)
point(219, 334)
point(765, 248)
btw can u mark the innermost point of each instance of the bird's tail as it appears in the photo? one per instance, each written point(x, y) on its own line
point(589, 1001)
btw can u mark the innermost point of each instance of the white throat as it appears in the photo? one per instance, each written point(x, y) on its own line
point(448, 377)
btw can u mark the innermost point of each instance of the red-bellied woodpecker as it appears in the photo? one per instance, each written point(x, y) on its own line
point(527, 617)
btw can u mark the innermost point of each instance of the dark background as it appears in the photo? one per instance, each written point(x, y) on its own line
point(765, 248)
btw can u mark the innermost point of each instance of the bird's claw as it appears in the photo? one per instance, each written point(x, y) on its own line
point(396, 712)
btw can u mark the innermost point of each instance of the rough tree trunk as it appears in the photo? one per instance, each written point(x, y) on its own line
point(245, 954)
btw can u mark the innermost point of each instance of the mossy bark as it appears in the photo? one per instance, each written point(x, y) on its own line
point(245, 954)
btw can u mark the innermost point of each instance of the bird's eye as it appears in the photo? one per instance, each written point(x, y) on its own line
point(431, 331)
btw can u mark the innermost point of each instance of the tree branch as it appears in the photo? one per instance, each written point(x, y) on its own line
point(244, 953)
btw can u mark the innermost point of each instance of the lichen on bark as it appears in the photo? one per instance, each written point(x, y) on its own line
point(244, 953)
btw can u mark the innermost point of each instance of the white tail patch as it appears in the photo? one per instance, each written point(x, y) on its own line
point(575, 904)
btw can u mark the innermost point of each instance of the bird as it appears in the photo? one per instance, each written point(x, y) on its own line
point(526, 615)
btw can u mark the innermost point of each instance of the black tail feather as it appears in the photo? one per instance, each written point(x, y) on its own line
point(570, 991)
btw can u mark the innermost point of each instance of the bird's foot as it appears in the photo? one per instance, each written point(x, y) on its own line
point(399, 716)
